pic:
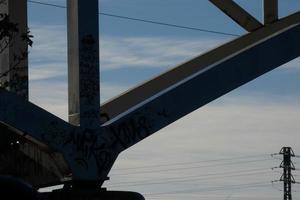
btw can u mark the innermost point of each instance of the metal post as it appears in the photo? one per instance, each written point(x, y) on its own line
point(270, 11)
point(83, 63)
point(238, 14)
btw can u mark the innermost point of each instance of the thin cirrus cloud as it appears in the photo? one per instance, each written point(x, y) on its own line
point(52, 95)
point(242, 127)
point(151, 52)
point(257, 124)
point(48, 61)
point(50, 51)
point(48, 57)
point(50, 46)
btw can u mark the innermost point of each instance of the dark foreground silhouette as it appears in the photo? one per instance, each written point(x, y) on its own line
point(12, 188)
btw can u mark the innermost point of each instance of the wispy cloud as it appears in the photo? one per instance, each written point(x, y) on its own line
point(48, 60)
point(48, 57)
point(49, 53)
point(52, 95)
point(232, 126)
point(151, 52)
point(236, 127)
point(50, 46)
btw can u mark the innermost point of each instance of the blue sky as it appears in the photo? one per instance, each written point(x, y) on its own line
point(254, 120)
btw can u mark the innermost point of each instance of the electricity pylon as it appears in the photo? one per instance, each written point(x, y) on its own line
point(287, 165)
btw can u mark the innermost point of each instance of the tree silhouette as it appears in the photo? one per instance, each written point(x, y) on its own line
point(9, 32)
point(9, 141)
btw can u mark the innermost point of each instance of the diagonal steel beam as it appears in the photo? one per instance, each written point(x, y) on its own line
point(45, 133)
point(126, 101)
point(270, 11)
point(238, 14)
point(205, 85)
point(91, 152)
point(155, 104)
point(81, 147)
point(34, 163)
point(77, 144)
point(32, 121)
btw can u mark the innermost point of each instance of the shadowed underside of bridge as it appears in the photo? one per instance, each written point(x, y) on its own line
point(85, 149)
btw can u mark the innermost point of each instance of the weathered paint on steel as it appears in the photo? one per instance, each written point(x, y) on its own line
point(83, 63)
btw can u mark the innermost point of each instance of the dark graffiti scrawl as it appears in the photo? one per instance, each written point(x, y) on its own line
point(89, 144)
point(135, 128)
point(89, 87)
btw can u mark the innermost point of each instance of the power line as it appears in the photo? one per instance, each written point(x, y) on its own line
point(168, 24)
point(213, 189)
point(184, 168)
point(145, 20)
point(196, 175)
point(189, 163)
point(273, 186)
point(47, 4)
point(188, 180)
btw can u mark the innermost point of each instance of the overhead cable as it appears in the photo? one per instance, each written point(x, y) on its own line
point(144, 20)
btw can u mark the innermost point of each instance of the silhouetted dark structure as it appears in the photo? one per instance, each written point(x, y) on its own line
point(80, 153)
point(287, 165)
point(13, 188)
point(287, 176)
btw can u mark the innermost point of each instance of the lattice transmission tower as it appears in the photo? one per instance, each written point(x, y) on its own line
point(287, 177)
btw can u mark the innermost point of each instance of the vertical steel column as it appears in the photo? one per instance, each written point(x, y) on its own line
point(14, 50)
point(270, 11)
point(238, 14)
point(83, 63)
